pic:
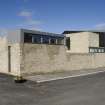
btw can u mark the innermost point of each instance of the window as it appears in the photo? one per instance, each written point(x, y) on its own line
point(102, 50)
point(91, 50)
point(96, 50)
point(101, 39)
point(68, 43)
point(60, 41)
point(27, 38)
point(36, 39)
point(45, 39)
point(53, 40)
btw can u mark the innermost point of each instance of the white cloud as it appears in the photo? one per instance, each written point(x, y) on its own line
point(27, 14)
point(29, 20)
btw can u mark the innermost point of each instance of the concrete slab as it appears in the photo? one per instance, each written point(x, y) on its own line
point(62, 75)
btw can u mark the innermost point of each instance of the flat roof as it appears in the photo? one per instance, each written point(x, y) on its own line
point(41, 32)
point(74, 31)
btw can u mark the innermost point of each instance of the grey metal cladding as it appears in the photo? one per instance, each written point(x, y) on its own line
point(14, 36)
point(39, 32)
point(17, 36)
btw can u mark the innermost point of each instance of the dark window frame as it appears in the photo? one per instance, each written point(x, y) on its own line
point(44, 39)
point(68, 42)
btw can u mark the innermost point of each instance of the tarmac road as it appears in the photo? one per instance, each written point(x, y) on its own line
point(85, 90)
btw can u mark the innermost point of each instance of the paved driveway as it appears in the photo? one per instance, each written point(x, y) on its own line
point(86, 90)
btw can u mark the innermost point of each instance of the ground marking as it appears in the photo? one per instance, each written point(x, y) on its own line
point(60, 78)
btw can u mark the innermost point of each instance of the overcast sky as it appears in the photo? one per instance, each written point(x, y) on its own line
point(52, 15)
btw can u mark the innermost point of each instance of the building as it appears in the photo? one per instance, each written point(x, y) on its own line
point(85, 41)
point(13, 52)
point(27, 52)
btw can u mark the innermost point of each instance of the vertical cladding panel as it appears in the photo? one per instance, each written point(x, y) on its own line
point(14, 36)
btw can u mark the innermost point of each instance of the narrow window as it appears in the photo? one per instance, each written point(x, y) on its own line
point(68, 43)
point(9, 58)
point(101, 39)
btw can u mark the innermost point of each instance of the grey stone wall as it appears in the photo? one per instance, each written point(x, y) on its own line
point(80, 42)
point(39, 58)
point(93, 39)
point(15, 59)
point(14, 56)
point(3, 55)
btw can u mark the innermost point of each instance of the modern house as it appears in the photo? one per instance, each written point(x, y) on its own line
point(26, 52)
point(19, 47)
point(85, 41)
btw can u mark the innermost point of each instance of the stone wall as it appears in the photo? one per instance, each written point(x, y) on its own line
point(15, 59)
point(3, 55)
point(39, 58)
point(80, 42)
point(93, 39)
